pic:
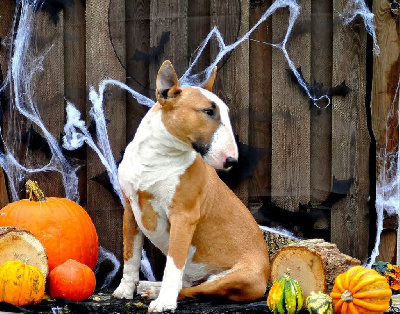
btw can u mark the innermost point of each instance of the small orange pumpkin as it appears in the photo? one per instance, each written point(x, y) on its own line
point(21, 284)
point(361, 290)
point(72, 280)
point(61, 225)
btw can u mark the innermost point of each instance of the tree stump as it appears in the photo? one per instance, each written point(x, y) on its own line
point(313, 263)
point(21, 245)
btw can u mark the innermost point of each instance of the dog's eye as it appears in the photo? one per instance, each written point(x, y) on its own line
point(209, 112)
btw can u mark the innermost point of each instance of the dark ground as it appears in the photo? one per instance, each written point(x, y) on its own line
point(104, 303)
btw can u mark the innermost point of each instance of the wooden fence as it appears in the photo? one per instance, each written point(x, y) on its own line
point(309, 169)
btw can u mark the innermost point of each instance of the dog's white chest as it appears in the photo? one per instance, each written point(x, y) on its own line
point(149, 174)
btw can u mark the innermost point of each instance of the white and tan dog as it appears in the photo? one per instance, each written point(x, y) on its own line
point(174, 197)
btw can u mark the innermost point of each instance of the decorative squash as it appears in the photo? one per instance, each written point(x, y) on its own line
point(361, 290)
point(21, 284)
point(319, 303)
point(61, 225)
point(391, 272)
point(285, 296)
point(72, 280)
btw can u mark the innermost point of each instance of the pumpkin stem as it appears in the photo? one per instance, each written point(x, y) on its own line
point(347, 296)
point(33, 192)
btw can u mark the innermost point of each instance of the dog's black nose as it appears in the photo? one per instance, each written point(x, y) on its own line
point(229, 162)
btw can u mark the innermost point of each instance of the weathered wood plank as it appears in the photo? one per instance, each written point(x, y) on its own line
point(198, 29)
point(350, 139)
point(260, 135)
point(290, 183)
point(6, 17)
point(75, 75)
point(137, 27)
point(101, 63)
point(384, 106)
point(169, 17)
point(321, 119)
point(48, 93)
point(232, 83)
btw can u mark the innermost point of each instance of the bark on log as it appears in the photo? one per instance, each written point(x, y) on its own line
point(313, 263)
point(21, 245)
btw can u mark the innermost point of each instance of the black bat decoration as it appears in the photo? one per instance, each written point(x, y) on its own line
point(301, 223)
point(155, 52)
point(317, 90)
point(53, 7)
point(249, 158)
point(35, 141)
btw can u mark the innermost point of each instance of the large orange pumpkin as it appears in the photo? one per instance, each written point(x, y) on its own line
point(361, 290)
point(61, 225)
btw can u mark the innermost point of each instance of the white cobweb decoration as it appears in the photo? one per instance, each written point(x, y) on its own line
point(23, 67)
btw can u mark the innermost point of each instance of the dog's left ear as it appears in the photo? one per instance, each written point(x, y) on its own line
point(167, 85)
point(210, 82)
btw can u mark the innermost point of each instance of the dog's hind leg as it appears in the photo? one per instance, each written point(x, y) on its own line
point(133, 244)
point(241, 284)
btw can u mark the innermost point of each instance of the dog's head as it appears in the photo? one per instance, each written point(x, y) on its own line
point(197, 117)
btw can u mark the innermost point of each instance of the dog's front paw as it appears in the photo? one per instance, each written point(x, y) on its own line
point(125, 290)
point(162, 305)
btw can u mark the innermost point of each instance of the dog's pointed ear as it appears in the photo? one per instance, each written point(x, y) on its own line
point(210, 82)
point(167, 85)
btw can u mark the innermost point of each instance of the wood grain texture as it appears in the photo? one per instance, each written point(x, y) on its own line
point(102, 63)
point(137, 27)
point(48, 93)
point(290, 183)
point(321, 119)
point(75, 75)
point(350, 139)
point(232, 82)
point(260, 115)
point(169, 16)
point(384, 104)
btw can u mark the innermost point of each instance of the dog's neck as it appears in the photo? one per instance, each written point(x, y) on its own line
point(156, 154)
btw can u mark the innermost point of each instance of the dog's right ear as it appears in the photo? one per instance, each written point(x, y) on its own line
point(167, 85)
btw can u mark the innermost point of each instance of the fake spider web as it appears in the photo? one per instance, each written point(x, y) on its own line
point(23, 66)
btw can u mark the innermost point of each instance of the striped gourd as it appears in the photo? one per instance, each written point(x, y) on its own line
point(319, 303)
point(285, 296)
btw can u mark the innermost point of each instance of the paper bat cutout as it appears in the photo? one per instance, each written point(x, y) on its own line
point(155, 52)
point(53, 7)
point(249, 158)
point(317, 90)
point(35, 141)
point(301, 222)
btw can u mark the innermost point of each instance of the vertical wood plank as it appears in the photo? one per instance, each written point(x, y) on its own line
point(384, 106)
point(75, 74)
point(290, 182)
point(6, 16)
point(350, 139)
point(232, 83)
point(169, 17)
point(321, 119)
point(260, 125)
point(101, 63)
point(198, 29)
point(137, 40)
point(48, 92)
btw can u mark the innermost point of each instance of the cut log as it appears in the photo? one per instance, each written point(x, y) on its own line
point(21, 245)
point(313, 263)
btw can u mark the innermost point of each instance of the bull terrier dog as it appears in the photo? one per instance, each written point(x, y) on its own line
point(174, 197)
